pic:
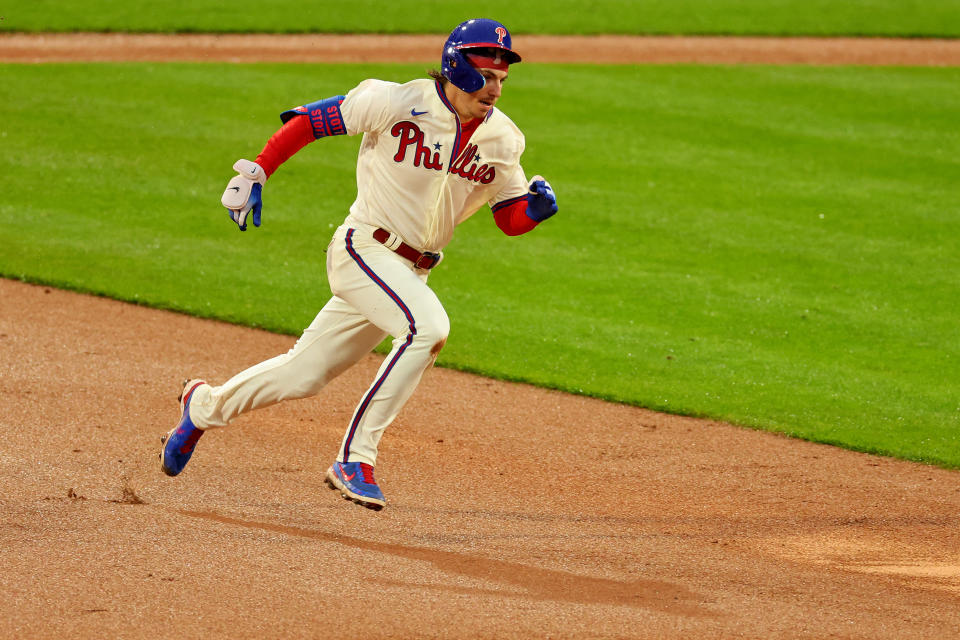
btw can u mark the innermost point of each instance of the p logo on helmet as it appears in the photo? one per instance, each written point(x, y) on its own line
point(459, 65)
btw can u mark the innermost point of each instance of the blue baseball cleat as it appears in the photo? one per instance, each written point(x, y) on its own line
point(179, 443)
point(355, 482)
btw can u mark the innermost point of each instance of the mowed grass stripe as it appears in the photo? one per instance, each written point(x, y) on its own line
point(910, 18)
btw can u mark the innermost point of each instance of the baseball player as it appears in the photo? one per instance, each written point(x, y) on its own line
point(433, 152)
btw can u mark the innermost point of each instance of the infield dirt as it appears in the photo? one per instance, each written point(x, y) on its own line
point(513, 511)
point(98, 47)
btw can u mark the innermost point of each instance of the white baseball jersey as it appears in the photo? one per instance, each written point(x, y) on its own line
point(408, 181)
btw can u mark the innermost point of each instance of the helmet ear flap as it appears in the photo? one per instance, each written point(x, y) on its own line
point(459, 71)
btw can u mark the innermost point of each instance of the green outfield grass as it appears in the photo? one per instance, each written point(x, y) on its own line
point(774, 246)
point(921, 18)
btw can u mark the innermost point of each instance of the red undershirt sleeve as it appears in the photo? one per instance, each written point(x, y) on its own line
point(512, 218)
point(289, 139)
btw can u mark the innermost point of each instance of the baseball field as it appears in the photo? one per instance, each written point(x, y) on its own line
point(743, 252)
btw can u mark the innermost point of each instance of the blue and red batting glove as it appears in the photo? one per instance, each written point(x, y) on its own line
point(541, 201)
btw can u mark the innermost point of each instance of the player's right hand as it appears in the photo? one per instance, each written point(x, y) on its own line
point(243, 193)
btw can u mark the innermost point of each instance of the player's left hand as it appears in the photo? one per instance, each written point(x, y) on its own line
point(243, 193)
point(541, 201)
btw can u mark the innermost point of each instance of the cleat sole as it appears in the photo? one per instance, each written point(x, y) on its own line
point(373, 506)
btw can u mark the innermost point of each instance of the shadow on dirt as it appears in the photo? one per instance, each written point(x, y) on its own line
point(537, 583)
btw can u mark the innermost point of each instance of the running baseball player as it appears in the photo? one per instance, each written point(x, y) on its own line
point(434, 151)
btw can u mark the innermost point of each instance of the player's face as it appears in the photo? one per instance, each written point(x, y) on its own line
point(479, 103)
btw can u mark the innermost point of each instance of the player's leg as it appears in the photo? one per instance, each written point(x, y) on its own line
point(336, 339)
point(395, 297)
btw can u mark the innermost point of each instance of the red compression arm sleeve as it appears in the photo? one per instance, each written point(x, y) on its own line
point(513, 219)
point(291, 137)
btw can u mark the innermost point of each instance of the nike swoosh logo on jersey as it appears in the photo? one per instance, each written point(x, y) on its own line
point(414, 112)
point(235, 188)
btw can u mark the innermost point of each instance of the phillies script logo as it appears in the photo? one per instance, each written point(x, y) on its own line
point(501, 33)
point(410, 135)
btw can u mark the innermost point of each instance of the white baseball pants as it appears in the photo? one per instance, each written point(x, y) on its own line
point(375, 293)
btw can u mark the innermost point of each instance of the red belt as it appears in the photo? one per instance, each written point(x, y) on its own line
point(424, 260)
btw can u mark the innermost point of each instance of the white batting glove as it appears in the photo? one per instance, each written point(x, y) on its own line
point(243, 193)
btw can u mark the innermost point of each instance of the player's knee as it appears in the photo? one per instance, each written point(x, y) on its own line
point(434, 330)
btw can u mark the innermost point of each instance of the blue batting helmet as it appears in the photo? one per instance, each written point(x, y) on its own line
point(481, 33)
